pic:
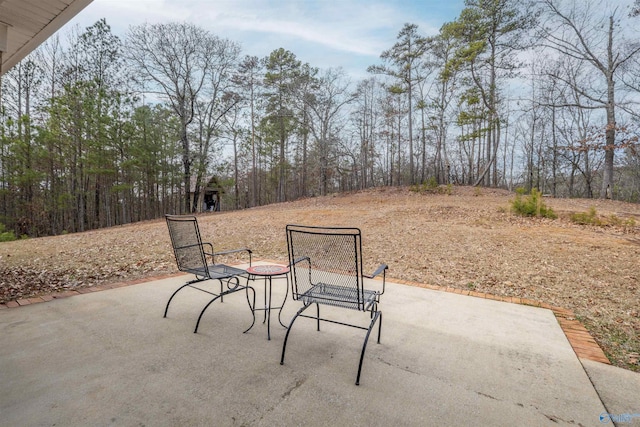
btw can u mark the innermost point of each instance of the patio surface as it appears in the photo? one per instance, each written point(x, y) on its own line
point(109, 358)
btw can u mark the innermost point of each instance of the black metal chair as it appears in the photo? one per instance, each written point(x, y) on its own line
point(192, 257)
point(326, 268)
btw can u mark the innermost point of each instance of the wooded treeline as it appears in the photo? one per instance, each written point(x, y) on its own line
point(98, 130)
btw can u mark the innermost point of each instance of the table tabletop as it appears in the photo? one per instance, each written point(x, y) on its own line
point(268, 270)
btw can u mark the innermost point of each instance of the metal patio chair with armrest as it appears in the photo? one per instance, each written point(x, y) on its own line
point(326, 268)
point(192, 256)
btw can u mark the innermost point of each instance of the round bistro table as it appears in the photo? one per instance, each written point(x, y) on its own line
point(269, 272)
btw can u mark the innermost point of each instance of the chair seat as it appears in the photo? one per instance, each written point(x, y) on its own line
point(217, 271)
point(339, 296)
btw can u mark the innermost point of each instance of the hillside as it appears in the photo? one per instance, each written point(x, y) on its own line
point(467, 240)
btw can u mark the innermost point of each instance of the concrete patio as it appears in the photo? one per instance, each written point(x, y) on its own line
point(109, 358)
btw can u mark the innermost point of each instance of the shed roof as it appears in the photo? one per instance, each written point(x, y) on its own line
point(208, 182)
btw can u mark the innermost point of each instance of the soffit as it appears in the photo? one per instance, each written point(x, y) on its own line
point(31, 22)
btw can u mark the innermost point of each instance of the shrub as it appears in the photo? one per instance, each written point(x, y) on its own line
point(532, 205)
point(586, 218)
point(6, 236)
point(620, 222)
point(426, 187)
point(431, 186)
point(592, 218)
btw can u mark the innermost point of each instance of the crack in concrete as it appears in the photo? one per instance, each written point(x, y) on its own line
point(297, 385)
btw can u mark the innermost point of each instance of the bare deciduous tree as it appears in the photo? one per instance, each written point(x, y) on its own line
point(593, 33)
point(174, 59)
point(333, 94)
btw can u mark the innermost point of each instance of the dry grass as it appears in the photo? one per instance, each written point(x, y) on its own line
point(467, 240)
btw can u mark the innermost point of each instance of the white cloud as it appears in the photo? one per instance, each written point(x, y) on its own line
point(321, 32)
point(327, 36)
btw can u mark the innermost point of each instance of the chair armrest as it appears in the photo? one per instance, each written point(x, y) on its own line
point(381, 269)
point(232, 251)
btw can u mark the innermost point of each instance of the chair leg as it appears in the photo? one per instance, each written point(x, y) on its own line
point(253, 311)
point(286, 336)
point(286, 294)
point(166, 309)
point(366, 339)
point(318, 316)
point(202, 312)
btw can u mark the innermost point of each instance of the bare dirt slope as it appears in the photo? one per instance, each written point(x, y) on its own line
point(467, 240)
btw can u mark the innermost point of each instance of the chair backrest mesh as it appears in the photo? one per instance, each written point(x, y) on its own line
point(334, 258)
point(187, 244)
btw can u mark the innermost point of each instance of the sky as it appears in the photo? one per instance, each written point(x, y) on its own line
point(324, 33)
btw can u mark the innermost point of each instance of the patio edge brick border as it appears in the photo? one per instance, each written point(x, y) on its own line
point(583, 344)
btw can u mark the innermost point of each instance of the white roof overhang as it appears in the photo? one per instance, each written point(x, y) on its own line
point(25, 24)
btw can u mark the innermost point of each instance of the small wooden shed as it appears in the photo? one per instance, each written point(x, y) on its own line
point(208, 196)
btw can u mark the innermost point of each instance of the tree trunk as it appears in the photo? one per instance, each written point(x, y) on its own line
point(186, 167)
point(606, 191)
